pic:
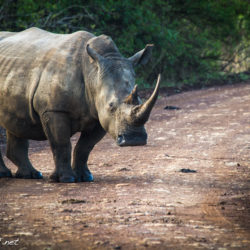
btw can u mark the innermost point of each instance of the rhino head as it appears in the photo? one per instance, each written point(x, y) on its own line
point(120, 110)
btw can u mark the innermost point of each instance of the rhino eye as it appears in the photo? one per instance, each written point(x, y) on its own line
point(127, 83)
point(112, 107)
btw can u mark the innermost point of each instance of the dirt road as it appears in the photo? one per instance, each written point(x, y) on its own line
point(189, 188)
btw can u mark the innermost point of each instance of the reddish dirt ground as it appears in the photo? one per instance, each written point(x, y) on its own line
point(140, 199)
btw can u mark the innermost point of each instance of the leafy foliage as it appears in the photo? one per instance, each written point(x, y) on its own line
point(195, 40)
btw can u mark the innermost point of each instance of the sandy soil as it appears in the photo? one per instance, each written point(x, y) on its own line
point(189, 188)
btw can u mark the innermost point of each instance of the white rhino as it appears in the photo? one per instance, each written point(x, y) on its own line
point(54, 85)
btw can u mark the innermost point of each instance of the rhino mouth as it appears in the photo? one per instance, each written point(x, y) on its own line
point(132, 139)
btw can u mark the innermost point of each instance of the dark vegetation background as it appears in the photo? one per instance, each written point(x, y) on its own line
point(197, 43)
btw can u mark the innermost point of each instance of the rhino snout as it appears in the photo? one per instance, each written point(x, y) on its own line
point(132, 139)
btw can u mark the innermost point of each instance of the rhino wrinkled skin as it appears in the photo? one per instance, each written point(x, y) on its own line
point(54, 85)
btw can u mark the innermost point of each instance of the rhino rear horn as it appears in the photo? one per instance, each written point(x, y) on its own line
point(140, 113)
point(132, 98)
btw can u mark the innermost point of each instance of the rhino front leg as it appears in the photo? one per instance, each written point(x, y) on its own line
point(58, 131)
point(17, 152)
point(83, 147)
point(4, 171)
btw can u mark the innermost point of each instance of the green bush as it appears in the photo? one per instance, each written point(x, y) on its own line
point(194, 40)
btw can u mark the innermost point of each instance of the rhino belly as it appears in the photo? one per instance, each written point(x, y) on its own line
point(14, 117)
point(22, 128)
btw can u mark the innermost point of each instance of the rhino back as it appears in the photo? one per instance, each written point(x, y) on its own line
point(37, 69)
point(5, 34)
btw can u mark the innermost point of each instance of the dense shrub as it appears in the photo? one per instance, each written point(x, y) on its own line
point(195, 41)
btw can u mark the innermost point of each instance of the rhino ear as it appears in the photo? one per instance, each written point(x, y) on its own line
point(93, 54)
point(143, 56)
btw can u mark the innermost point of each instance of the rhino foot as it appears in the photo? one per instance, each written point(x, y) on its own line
point(6, 173)
point(34, 174)
point(84, 176)
point(63, 178)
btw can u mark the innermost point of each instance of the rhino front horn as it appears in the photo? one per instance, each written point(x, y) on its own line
point(141, 112)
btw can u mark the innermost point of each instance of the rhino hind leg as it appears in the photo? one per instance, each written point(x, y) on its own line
point(17, 152)
point(4, 171)
point(82, 149)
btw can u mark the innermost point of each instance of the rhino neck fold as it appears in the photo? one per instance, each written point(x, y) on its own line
point(90, 82)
